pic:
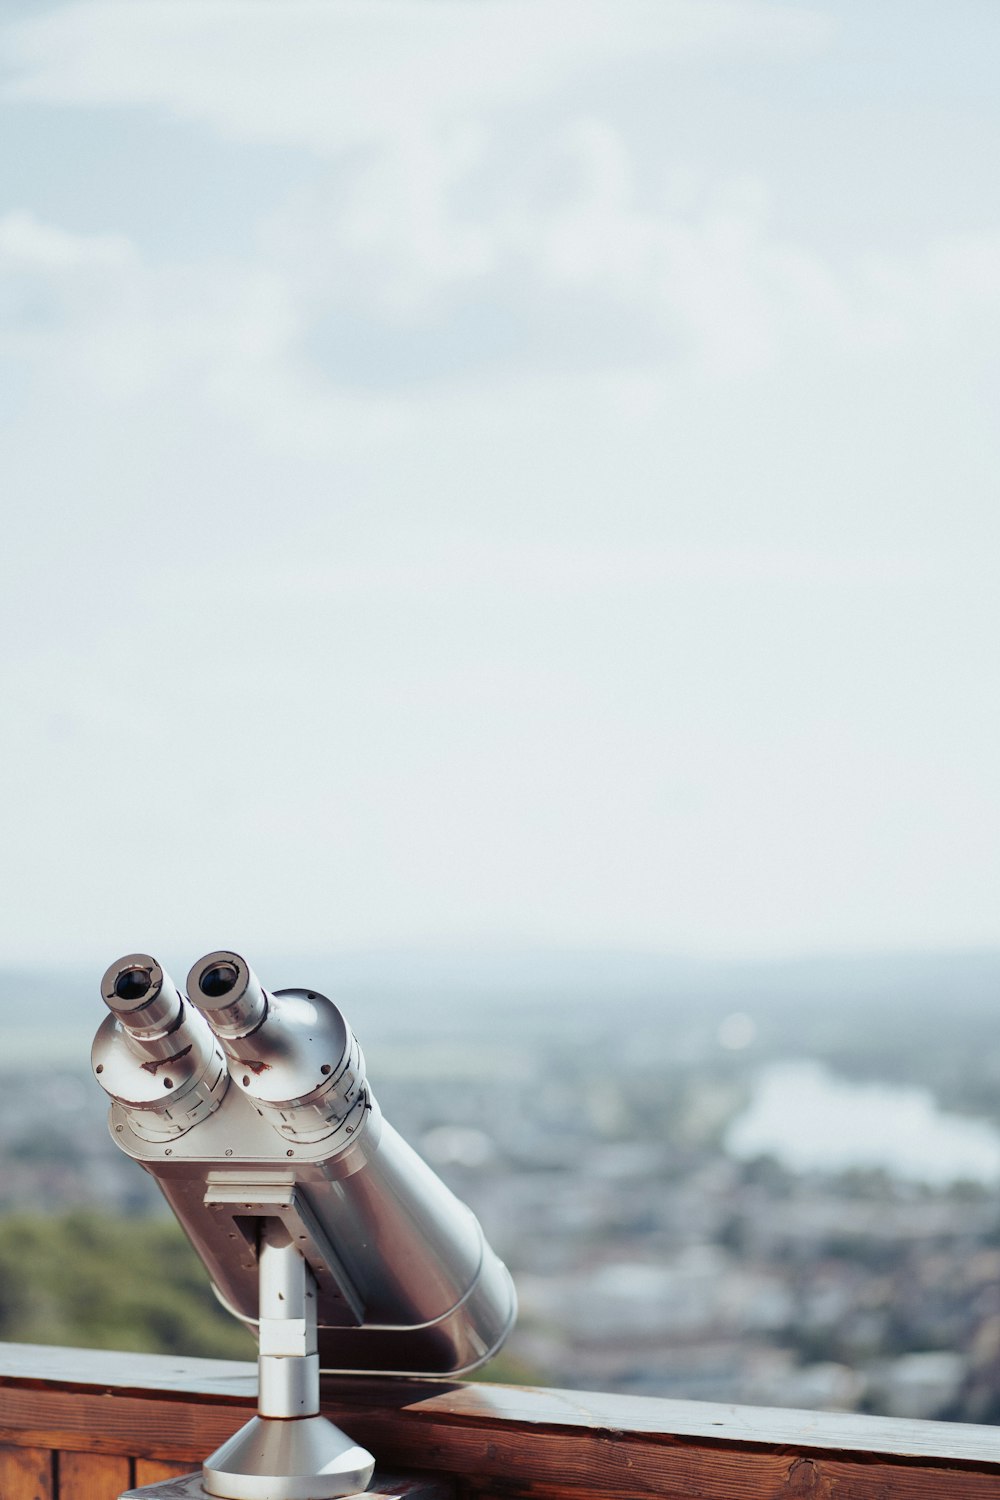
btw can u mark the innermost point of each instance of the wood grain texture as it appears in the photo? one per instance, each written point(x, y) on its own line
point(501, 1442)
point(221, 1383)
point(92, 1476)
point(26, 1474)
point(534, 1408)
point(171, 1429)
point(113, 1369)
point(607, 1465)
point(151, 1470)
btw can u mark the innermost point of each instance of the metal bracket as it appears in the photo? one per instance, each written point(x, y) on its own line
point(245, 1200)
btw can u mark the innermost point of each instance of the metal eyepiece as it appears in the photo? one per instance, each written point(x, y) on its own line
point(145, 1000)
point(154, 1055)
point(290, 1051)
point(228, 993)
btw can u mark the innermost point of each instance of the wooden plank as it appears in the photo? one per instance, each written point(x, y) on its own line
point(607, 1465)
point(92, 1476)
point(545, 1445)
point(537, 1408)
point(546, 1463)
point(703, 1477)
point(221, 1383)
point(113, 1369)
point(26, 1474)
point(167, 1427)
point(152, 1470)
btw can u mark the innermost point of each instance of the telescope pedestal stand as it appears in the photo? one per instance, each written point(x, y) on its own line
point(288, 1451)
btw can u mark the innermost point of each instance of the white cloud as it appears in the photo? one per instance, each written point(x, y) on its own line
point(588, 544)
point(598, 293)
point(471, 569)
point(604, 271)
point(937, 291)
point(331, 75)
point(611, 275)
point(28, 244)
point(91, 315)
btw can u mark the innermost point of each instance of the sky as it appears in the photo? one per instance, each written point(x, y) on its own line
point(515, 473)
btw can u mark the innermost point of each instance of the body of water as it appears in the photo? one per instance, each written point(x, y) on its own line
point(811, 1120)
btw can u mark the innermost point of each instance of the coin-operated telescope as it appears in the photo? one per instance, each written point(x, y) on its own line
point(320, 1228)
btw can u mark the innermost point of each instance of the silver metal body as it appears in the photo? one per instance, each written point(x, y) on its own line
point(317, 1223)
point(406, 1282)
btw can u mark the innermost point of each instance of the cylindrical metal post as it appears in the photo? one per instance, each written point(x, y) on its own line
point(288, 1451)
point(288, 1364)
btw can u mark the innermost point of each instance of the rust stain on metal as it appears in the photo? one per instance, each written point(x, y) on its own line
point(255, 1067)
point(155, 1064)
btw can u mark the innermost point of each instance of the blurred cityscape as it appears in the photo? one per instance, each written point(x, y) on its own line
point(774, 1185)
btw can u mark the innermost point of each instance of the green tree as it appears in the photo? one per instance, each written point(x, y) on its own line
point(87, 1280)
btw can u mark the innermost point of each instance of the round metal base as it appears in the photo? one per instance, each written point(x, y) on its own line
point(297, 1458)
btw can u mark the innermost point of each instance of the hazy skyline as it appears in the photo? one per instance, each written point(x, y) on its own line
point(512, 471)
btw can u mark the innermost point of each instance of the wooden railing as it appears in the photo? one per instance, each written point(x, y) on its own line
point(79, 1424)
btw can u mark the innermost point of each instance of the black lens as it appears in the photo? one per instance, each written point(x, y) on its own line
point(132, 984)
point(219, 980)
